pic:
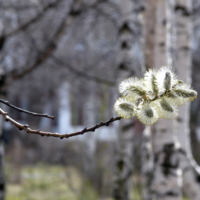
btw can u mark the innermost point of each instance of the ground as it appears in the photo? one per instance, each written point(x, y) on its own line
point(47, 182)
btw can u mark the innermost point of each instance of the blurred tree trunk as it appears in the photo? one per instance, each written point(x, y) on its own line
point(195, 105)
point(130, 63)
point(149, 51)
point(2, 177)
point(147, 164)
point(163, 183)
point(166, 176)
point(124, 164)
point(191, 172)
point(172, 157)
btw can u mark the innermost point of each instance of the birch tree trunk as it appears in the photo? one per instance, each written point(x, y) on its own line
point(149, 47)
point(130, 63)
point(173, 157)
point(2, 175)
point(191, 172)
point(165, 175)
point(147, 164)
point(2, 178)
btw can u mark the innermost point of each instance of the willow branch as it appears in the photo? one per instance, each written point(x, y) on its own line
point(58, 135)
point(25, 111)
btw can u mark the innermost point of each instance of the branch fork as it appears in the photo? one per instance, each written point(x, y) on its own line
point(26, 127)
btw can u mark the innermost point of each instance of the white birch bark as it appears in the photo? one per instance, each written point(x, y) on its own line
point(149, 32)
point(124, 166)
point(191, 171)
point(160, 35)
point(166, 173)
point(130, 63)
point(149, 47)
point(147, 164)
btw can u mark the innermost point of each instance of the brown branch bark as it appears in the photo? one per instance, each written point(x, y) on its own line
point(25, 111)
point(26, 128)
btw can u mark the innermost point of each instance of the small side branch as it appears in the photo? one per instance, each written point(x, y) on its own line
point(25, 111)
point(61, 136)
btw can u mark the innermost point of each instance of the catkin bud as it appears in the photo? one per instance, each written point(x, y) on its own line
point(156, 96)
point(132, 87)
point(166, 110)
point(147, 113)
point(124, 108)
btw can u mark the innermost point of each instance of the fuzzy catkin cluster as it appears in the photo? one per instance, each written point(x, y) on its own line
point(155, 96)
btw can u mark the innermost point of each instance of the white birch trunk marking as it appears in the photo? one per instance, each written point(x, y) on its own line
point(130, 63)
point(166, 176)
point(191, 184)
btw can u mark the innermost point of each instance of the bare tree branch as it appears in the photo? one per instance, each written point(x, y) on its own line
point(35, 19)
point(25, 111)
point(58, 135)
point(81, 73)
point(52, 45)
point(44, 10)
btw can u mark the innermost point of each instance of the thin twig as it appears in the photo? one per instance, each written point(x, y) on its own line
point(50, 134)
point(25, 111)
